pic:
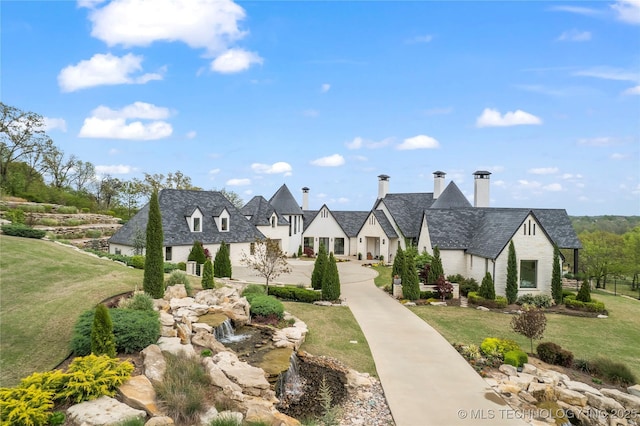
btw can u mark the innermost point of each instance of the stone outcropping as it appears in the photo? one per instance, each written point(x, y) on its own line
point(542, 396)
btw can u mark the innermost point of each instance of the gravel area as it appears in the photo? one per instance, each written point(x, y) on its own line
point(366, 407)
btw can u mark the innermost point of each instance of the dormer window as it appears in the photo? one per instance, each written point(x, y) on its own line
point(222, 221)
point(196, 224)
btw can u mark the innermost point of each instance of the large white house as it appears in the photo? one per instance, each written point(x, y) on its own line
point(472, 240)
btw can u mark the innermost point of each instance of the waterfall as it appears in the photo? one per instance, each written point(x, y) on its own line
point(226, 334)
point(290, 385)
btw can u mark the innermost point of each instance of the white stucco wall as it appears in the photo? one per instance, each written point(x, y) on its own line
point(453, 262)
point(278, 233)
point(181, 253)
point(325, 226)
point(424, 240)
point(385, 210)
point(291, 243)
point(372, 229)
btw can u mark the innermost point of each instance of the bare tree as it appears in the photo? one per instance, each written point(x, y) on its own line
point(57, 167)
point(266, 259)
point(82, 174)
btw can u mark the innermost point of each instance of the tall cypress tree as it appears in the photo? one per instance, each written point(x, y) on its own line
point(331, 282)
point(556, 277)
point(436, 267)
point(398, 264)
point(197, 253)
point(103, 341)
point(584, 294)
point(410, 283)
point(222, 262)
point(207, 275)
point(487, 289)
point(153, 283)
point(319, 268)
point(512, 275)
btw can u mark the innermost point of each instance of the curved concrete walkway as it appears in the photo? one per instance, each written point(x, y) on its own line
point(425, 380)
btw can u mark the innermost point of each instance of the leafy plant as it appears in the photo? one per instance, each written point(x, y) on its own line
point(296, 294)
point(614, 372)
point(102, 338)
point(443, 287)
point(93, 376)
point(179, 277)
point(539, 300)
point(530, 323)
point(516, 358)
point(140, 301)
point(57, 419)
point(254, 289)
point(25, 406)
point(552, 353)
point(266, 306)
point(329, 412)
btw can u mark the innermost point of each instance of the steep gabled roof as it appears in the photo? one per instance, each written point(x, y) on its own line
point(406, 210)
point(486, 231)
point(385, 224)
point(350, 221)
point(284, 203)
point(176, 228)
point(451, 198)
point(260, 212)
point(309, 215)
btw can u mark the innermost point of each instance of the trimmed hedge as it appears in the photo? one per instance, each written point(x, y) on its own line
point(22, 231)
point(134, 330)
point(266, 306)
point(552, 353)
point(475, 299)
point(516, 358)
point(296, 294)
point(539, 300)
point(593, 306)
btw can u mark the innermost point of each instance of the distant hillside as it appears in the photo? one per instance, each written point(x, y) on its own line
point(614, 224)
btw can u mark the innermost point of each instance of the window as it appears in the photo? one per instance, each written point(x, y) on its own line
point(252, 249)
point(167, 253)
point(273, 221)
point(528, 274)
point(338, 246)
point(224, 224)
point(196, 224)
point(118, 251)
point(308, 242)
point(372, 220)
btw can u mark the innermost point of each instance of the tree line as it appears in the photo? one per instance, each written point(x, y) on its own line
point(34, 168)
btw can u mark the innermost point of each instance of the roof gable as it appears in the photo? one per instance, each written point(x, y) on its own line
point(451, 198)
point(284, 202)
point(260, 212)
point(406, 210)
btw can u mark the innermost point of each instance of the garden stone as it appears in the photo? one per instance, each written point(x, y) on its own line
point(198, 327)
point(604, 403)
point(601, 316)
point(184, 333)
point(160, 421)
point(208, 340)
point(166, 319)
point(209, 416)
point(154, 363)
point(482, 308)
point(160, 305)
point(634, 390)
point(541, 391)
point(356, 380)
point(183, 302)
point(173, 346)
point(177, 291)
point(207, 297)
point(138, 392)
point(571, 397)
point(508, 369)
point(322, 303)
point(529, 369)
point(218, 378)
point(581, 387)
point(630, 402)
point(251, 379)
point(168, 332)
point(102, 411)
point(180, 313)
point(509, 387)
point(522, 381)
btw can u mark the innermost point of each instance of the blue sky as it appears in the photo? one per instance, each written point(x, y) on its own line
point(250, 95)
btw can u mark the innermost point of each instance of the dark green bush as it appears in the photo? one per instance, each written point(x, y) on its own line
point(22, 231)
point(539, 300)
point(266, 306)
point(498, 303)
point(253, 289)
point(593, 306)
point(516, 358)
point(467, 286)
point(424, 295)
point(137, 262)
point(614, 372)
point(170, 267)
point(182, 266)
point(139, 302)
point(134, 330)
point(296, 294)
point(552, 353)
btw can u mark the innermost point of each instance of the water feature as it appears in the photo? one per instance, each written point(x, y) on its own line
point(290, 385)
point(225, 333)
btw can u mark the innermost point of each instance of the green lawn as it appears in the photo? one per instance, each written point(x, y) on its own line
point(43, 288)
point(617, 337)
point(384, 275)
point(331, 330)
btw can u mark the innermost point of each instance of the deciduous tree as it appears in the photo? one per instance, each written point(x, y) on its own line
point(153, 283)
point(530, 323)
point(267, 260)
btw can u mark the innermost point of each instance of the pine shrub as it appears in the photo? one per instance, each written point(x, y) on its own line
point(436, 267)
point(487, 290)
point(410, 284)
point(103, 342)
point(196, 254)
point(517, 358)
point(319, 269)
point(584, 294)
point(398, 264)
point(331, 282)
point(266, 306)
point(295, 294)
point(207, 275)
point(154, 260)
point(556, 277)
point(511, 289)
point(25, 406)
point(22, 231)
point(222, 262)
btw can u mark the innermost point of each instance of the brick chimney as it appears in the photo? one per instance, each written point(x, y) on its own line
point(305, 198)
point(383, 186)
point(481, 188)
point(438, 183)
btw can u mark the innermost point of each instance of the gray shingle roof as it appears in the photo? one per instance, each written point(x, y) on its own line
point(284, 202)
point(173, 205)
point(260, 211)
point(309, 215)
point(350, 221)
point(451, 198)
point(407, 209)
point(486, 231)
point(385, 224)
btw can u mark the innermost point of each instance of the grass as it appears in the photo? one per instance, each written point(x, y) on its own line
point(44, 288)
point(384, 275)
point(331, 329)
point(617, 337)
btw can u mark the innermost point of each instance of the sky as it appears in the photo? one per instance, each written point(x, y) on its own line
point(248, 96)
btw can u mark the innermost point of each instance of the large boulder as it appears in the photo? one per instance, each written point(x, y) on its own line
point(177, 291)
point(251, 379)
point(138, 392)
point(571, 397)
point(630, 402)
point(208, 340)
point(174, 346)
point(154, 363)
point(103, 411)
point(218, 378)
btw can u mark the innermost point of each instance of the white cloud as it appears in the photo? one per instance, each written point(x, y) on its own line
point(54, 123)
point(207, 24)
point(192, 134)
point(601, 141)
point(553, 187)
point(325, 87)
point(574, 35)
point(112, 124)
point(119, 169)
point(359, 142)
point(334, 160)
point(492, 118)
point(235, 60)
point(104, 69)
point(609, 73)
point(341, 200)
point(529, 184)
point(419, 39)
point(632, 91)
point(239, 182)
point(276, 168)
point(544, 171)
point(577, 9)
point(627, 11)
point(419, 142)
point(248, 192)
